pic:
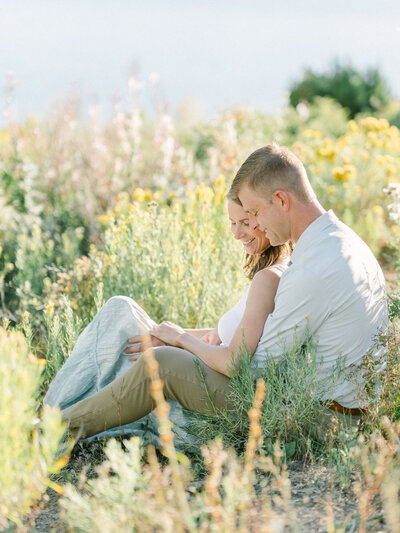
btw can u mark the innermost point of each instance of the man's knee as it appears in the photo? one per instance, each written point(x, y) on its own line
point(174, 360)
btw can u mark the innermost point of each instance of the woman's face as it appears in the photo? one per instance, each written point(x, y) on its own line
point(254, 241)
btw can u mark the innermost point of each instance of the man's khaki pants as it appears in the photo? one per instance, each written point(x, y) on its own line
point(128, 397)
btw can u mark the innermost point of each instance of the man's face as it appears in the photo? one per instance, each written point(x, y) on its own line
point(268, 216)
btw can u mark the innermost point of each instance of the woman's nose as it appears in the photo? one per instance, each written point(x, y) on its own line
point(238, 232)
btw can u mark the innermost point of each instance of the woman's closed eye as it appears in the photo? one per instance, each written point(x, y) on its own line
point(242, 222)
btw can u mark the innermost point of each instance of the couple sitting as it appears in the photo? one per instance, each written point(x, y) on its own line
point(332, 290)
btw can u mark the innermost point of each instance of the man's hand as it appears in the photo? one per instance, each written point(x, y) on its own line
point(137, 345)
point(212, 338)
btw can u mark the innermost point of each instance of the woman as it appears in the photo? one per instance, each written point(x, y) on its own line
point(98, 363)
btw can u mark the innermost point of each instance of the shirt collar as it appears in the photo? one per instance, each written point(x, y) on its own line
point(310, 233)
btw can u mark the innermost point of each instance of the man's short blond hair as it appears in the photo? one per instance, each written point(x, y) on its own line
point(273, 168)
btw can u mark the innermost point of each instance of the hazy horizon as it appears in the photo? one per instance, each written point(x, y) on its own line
point(219, 54)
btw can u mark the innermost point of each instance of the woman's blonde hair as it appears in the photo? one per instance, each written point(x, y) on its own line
point(256, 262)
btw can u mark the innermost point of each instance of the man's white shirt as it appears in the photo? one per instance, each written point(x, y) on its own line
point(334, 292)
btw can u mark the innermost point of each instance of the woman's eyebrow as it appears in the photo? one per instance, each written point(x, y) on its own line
point(241, 220)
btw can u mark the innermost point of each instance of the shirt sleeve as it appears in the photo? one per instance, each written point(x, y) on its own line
point(301, 306)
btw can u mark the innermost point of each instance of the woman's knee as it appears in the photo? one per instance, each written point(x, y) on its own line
point(117, 300)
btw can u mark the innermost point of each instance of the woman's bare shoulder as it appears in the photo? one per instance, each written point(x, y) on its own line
point(272, 272)
point(265, 278)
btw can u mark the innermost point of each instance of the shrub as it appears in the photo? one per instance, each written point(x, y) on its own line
point(289, 412)
point(27, 443)
point(355, 90)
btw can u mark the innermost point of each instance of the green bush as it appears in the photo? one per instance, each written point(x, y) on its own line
point(354, 90)
point(28, 444)
point(290, 411)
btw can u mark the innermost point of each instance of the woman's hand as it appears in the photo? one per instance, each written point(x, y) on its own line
point(212, 338)
point(168, 332)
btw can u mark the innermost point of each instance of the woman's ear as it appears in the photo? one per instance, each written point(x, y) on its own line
point(281, 199)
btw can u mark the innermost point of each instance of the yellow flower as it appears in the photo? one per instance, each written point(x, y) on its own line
point(138, 195)
point(338, 173)
point(357, 189)
point(315, 134)
point(374, 139)
point(4, 137)
point(147, 195)
point(374, 124)
point(220, 181)
point(352, 127)
point(345, 173)
point(204, 193)
point(378, 210)
point(392, 132)
point(391, 169)
point(331, 189)
point(327, 150)
point(122, 196)
point(104, 219)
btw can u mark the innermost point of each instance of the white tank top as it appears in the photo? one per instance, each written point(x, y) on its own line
point(229, 322)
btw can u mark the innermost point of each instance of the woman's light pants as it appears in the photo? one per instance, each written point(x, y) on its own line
point(99, 358)
point(128, 397)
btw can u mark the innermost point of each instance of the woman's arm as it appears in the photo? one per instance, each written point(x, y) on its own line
point(205, 335)
point(260, 303)
point(201, 333)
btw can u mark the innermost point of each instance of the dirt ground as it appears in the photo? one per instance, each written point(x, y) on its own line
point(313, 489)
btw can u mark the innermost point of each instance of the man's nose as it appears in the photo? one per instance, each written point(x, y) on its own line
point(253, 221)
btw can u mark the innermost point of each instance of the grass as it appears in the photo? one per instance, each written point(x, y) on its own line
point(105, 209)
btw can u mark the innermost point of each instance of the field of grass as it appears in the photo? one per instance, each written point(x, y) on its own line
point(91, 210)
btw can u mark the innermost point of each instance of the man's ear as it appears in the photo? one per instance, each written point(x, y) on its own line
point(281, 199)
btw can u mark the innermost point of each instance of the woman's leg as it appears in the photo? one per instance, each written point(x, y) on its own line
point(98, 356)
point(128, 397)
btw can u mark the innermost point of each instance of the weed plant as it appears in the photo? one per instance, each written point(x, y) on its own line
point(58, 176)
point(28, 444)
point(291, 411)
point(142, 495)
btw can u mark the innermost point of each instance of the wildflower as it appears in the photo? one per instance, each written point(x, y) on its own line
point(331, 189)
point(138, 195)
point(4, 137)
point(377, 210)
point(204, 193)
point(344, 173)
point(148, 195)
point(327, 150)
point(374, 124)
point(314, 134)
point(374, 139)
point(393, 190)
point(352, 127)
point(390, 170)
point(220, 181)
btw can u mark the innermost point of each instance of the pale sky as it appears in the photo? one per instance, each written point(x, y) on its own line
point(218, 52)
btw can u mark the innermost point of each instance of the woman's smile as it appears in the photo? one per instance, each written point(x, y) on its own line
point(253, 240)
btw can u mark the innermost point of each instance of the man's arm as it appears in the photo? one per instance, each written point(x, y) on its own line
point(301, 307)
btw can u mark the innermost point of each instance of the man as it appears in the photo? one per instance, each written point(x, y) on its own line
point(333, 291)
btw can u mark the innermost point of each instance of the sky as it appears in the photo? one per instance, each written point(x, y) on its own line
point(219, 53)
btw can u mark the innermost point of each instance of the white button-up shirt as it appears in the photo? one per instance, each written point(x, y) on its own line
point(334, 292)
